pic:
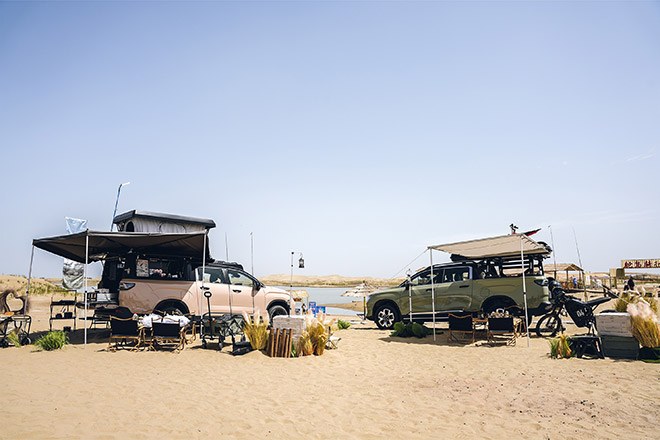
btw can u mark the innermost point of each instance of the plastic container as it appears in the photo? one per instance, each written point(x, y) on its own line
point(614, 324)
point(620, 347)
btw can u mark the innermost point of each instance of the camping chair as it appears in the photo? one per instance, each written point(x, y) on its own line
point(168, 334)
point(332, 340)
point(501, 327)
point(123, 330)
point(461, 325)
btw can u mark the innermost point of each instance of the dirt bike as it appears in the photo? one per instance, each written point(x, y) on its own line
point(581, 312)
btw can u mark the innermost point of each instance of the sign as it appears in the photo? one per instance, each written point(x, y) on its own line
point(641, 264)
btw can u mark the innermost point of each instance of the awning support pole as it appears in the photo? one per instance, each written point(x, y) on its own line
point(85, 279)
point(199, 297)
point(27, 289)
point(522, 265)
point(432, 291)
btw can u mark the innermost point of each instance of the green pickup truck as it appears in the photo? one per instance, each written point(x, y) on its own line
point(461, 286)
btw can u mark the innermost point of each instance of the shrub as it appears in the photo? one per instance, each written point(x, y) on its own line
point(407, 330)
point(560, 348)
point(343, 325)
point(52, 341)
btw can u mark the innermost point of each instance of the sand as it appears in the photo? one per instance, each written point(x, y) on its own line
point(373, 386)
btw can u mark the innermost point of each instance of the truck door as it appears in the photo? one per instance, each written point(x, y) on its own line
point(215, 281)
point(241, 289)
point(422, 294)
point(457, 282)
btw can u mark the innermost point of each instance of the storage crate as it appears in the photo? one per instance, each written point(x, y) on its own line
point(620, 347)
point(614, 324)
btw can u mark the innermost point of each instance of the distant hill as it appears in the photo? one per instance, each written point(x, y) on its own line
point(38, 286)
point(327, 280)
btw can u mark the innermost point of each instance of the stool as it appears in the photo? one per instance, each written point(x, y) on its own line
point(587, 344)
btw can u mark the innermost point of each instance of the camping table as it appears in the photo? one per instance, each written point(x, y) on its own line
point(480, 325)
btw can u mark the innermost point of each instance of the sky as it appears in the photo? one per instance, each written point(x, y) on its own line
point(356, 133)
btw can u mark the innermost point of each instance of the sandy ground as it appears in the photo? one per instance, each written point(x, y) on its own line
point(372, 387)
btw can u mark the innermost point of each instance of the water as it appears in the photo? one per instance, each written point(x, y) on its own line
point(328, 295)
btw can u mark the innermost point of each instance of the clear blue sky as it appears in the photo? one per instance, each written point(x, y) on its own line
point(357, 133)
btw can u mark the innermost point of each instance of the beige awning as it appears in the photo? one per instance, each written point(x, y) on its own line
point(502, 246)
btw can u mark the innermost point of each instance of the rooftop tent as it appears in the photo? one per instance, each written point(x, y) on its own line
point(145, 221)
point(502, 246)
point(104, 244)
point(89, 246)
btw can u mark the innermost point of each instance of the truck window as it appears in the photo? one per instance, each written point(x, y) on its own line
point(238, 278)
point(456, 274)
point(211, 275)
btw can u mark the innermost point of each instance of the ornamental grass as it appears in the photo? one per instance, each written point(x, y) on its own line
point(256, 330)
point(644, 321)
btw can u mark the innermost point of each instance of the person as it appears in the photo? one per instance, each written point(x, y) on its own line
point(631, 283)
point(575, 283)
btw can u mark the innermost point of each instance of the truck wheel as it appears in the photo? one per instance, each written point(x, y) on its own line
point(386, 315)
point(171, 308)
point(276, 311)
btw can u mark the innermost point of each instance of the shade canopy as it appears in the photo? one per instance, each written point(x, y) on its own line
point(105, 244)
point(562, 267)
point(502, 246)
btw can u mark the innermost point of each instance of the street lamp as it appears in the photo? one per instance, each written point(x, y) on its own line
point(301, 265)
point(116, 203)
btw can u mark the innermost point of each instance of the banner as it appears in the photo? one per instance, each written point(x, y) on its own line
point(641, 264)
point(72, 272)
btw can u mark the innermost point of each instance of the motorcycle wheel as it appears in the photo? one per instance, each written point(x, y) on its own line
point(548, 326)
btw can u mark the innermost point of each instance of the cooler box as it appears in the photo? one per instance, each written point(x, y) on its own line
point(620, 347)
point(614, 324)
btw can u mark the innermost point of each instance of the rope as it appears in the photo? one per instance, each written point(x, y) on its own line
point(407, 265)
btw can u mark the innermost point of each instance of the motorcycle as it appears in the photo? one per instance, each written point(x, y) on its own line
point(581, 312)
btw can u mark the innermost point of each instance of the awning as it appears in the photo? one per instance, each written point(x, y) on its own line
point(562, 267)
point(105, 244)
point(502, 246)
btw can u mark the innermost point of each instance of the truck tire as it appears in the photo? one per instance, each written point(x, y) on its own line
point(171, 308)
point(385, 315)
point(276, 310)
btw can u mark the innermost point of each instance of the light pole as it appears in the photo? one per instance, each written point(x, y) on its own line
point(301, 265)
point(116, 203)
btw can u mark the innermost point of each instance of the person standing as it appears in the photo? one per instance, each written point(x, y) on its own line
point(631, 283)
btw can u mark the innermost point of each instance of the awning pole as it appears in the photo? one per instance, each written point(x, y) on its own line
point(522, 265)
point(199, 297)
point(410, 311)
point(432, 291)
point(85, 279)
point(27, 289)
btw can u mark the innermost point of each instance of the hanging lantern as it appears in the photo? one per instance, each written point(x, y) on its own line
point(301, 262)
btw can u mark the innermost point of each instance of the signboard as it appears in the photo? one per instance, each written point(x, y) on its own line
point(641, 264)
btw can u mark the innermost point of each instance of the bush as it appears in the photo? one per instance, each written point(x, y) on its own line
point(560, 347)
point(343, 325)
point(407, 330)
point(52, 341)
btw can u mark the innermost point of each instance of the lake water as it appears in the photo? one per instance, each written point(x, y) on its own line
point(328, 295)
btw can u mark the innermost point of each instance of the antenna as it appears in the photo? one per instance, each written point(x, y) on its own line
point(226, 248)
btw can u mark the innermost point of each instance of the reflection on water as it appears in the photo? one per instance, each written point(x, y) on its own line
point(328, 295)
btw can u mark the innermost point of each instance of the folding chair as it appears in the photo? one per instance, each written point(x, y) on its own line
point(501, 327)
point(123, 330)
point(168, 334)
point(462, 326)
